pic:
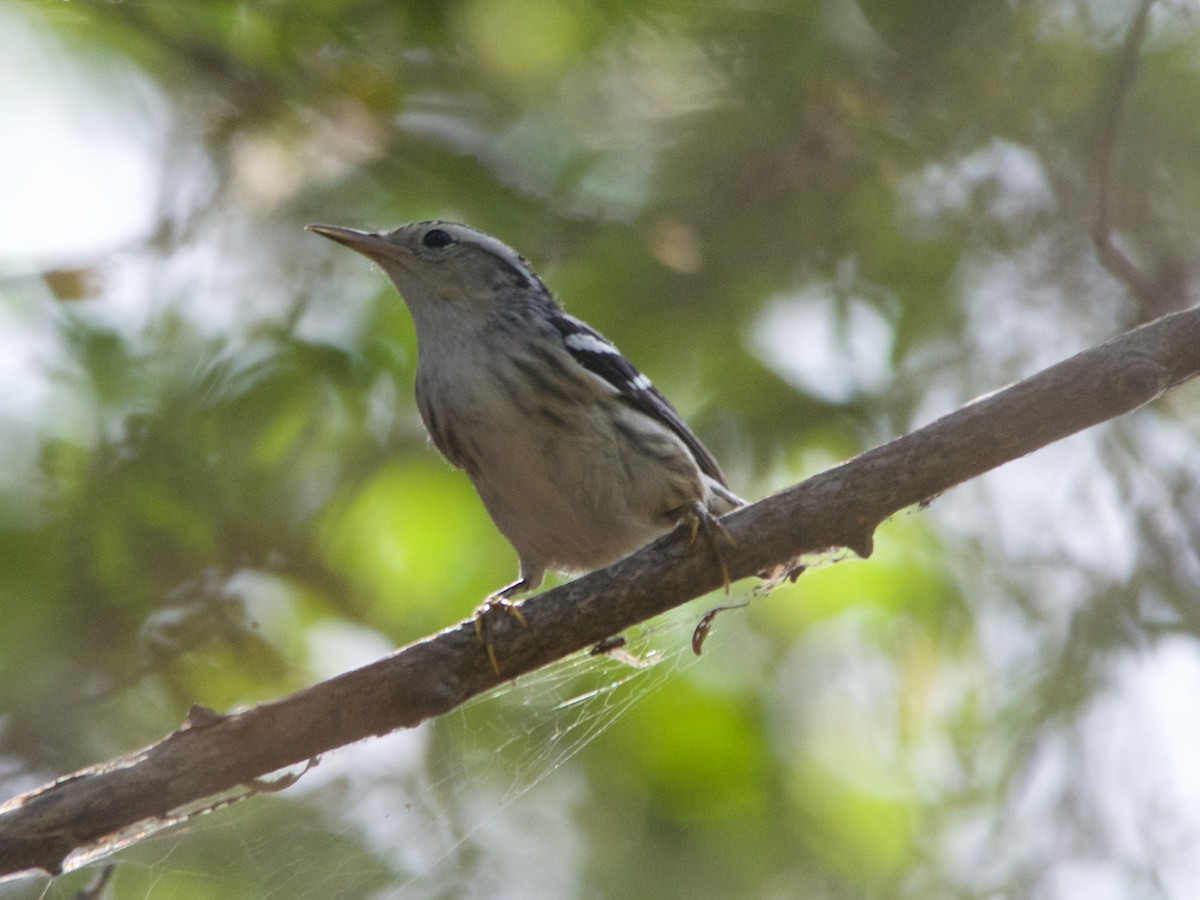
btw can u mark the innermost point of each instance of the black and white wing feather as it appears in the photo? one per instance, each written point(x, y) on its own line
point(603, 360)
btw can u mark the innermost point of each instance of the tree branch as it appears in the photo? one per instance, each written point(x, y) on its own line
point(212, 754)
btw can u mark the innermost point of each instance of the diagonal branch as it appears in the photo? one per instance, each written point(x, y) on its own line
point(212, 754)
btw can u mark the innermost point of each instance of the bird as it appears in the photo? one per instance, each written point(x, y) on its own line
point(578, 458)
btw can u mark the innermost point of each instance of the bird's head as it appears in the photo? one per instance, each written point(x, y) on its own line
point(434, 264)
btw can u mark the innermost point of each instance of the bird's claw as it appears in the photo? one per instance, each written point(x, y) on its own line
point(496, 604)
point(699, 519)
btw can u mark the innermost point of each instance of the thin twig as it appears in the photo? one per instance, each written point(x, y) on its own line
point(1112, 257)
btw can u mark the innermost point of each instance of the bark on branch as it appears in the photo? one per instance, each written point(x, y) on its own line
point(212, 754)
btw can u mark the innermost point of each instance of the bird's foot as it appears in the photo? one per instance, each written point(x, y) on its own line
point(700, 521)
point(497, 604)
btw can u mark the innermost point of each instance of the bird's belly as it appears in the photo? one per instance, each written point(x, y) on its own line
point(582, 496)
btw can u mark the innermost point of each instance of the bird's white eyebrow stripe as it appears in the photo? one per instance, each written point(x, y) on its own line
point(588, 343)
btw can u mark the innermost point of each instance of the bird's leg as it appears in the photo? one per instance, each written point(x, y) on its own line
point(700, 520)
point(498, 603)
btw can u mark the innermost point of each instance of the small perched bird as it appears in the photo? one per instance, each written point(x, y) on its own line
point(578, 457)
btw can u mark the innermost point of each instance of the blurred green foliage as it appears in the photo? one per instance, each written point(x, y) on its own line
point(814, 223)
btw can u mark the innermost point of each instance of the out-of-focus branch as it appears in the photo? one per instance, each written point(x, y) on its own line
point(213, 754)
point(1112, 257)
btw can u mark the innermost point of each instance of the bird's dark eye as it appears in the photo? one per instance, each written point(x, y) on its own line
point(436, 237)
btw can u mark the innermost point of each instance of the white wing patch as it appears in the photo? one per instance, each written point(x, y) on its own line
point(588, 343)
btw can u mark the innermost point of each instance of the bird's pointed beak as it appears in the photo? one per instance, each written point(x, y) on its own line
point(373, 246)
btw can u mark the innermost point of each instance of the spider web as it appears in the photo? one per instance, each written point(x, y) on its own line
point(487, 801)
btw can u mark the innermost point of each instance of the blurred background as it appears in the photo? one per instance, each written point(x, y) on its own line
point(815, 224)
